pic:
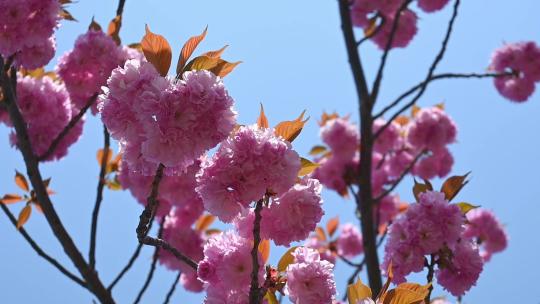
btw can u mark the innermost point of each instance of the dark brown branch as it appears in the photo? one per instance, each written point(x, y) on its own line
point(400, 178)
point(254, 290)
point(431, 271)
point(99, 196)
point(387, 48)
point(40, 251)
point(71, 124)
point(152, 269)
point(431, 71)
point(438, 77)
point(120, 9)
point(364, 199)
point(172, 289)
point(349, 262)
point(32, 168)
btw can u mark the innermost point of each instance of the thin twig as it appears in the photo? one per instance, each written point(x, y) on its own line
point(32, 168)
point(254, 290)
point(40, 251)
point(71, 124)
point(400, 178)
point(349, 262)
point(99, 196)
point(434, 65)
point(173, 288)
point(378, 78)
point(439, 77)
point(152, 268)
point(431, 270)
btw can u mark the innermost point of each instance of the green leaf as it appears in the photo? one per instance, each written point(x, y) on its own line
point(307, 166)
point(466, 207)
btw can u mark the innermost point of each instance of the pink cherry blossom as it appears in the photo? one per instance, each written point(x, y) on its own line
point(430, 6)
point(405, 32)
point(36, 56)
point(190, 281)
point(462, 271)
point(349, 242)
point(322, 247)
point(342, 137)
point(438, 164)
point(390, 139)
point(432, 129)
point(487, 230)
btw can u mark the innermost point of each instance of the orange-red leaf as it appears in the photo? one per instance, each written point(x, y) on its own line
point(419, 188)
point(402, 120)
point(216, 53)
point(332, 225)
point(204, 222)
point(262, 121)
point(316, 150)
point(357, 292)
point(64, 14)
point(264, 249)
point(372, 27)
point(11, 199)
point(114, 29)
point(100, 155)
point(20, 181)
point(414, 110)
point(326, 117)
point(188, 49)
point(289, 130)
point(223, 68)
point(94, 25)
point(321, 235)
point(24, 216)
point(157, 51)
point(453, 185)
point(286, 259)
point(202, 63)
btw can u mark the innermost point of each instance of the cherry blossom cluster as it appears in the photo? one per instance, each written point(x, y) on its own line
point(437, 229)
point(27, 28)
point(86, 68)
point(46, 110)
point(382, 14)
point(425, 135)
point(522, 61)
point(158, 120)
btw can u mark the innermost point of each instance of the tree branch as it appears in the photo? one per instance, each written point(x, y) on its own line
point(439, 77)
point(74, 120)
point(173, 288)
point(120, 9)
point(254, 290)
point(387, 48)
point(434, 65)
point(32, 167)
point(99, 197)
point(152, 268)
point(40, 251)
point(431, 270)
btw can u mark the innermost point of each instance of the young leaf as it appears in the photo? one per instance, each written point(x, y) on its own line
point(212, 231)
point(402, 120)
point(453, 185)
point(11, 198)
point(326, 117)
point(216, 53)
point(332, 225)
point(419, 188)
point(372, 27)
point(24, 216)
point(466, 207)
point(307, 167)
point(270, 297)
point(114, 29)
point(64, 14)
point(157, 51)
point(20, 181)
point(321, 235)
point(204, 222)
point(38, 207)
point(188, 49)
point(264, 249)
point(262, 121)
point(99, 156)
point(114, 184)
point(440, 106)
point(414, 110)
point(202, 63)
point(289, 130)
point(357, 292)
point(94, 26)
point(286, 259)
point(317, 150)
point(403, 296)
point(136, 46)
point(223, 68)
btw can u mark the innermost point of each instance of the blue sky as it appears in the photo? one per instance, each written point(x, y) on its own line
point(294, 59)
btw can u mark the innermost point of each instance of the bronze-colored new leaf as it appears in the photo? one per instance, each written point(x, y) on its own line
point(11, 199)
point(289, 130)
point(466, 207)
point(320, 234)
point(20, 181)
point(216, 53)
point(419, 188)
point(264, 249)
point(188, 49)
point(357, 292)
point(262, 121)
point(94, 25)
point(24, 216)
point(317, 150)
point(307, 166)
point(286, 259)
point(157, 51)
point(414, 110)
point(64, 14)
point(114, 29)
point(453, 185)
point(270, 297)
point(100, 155)
point(202, 63)
point(223, 68)
point(204, 222)
point(332, 225)
point(372, 27)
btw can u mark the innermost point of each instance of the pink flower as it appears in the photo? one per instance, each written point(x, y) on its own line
point(438, 164)
point(309, 279)
point(26, 24)
point(186, 240)
point(404, 34)
point(322, 247)
point(515, 88)
point(342, 137)
point(293, 215)
point(86, 68)
point(227, 265)
point(487, 230)
point(349, 242)
point(431, 129)
point(387, 209)
point(332, 171)
point(430, 6)
point(462, 271)
point(246, 166)
point(390, 139)
point(36, 56)
point(46, 109)
point(190, 281)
